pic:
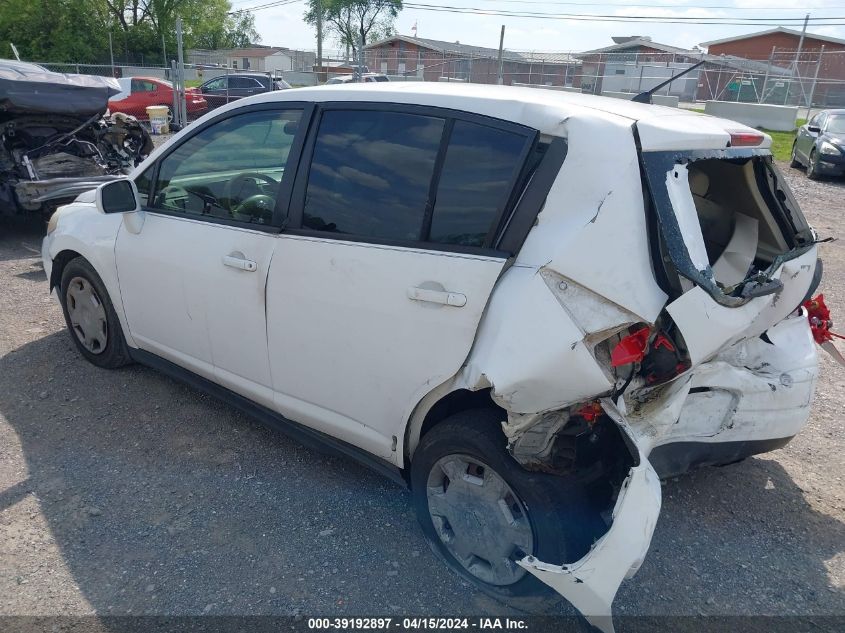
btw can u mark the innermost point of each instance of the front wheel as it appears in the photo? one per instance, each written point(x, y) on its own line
point(813, 172)
point(481, 511)
point(90, 316)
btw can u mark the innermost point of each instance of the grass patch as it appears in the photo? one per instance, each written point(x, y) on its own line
point(782, 141)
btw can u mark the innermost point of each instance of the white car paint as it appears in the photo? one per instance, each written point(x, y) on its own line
point(528, 332)
point(323, 290)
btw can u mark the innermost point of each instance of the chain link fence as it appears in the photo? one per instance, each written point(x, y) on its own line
point(809, 78)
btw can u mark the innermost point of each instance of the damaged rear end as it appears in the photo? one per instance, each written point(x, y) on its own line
point(688, 347)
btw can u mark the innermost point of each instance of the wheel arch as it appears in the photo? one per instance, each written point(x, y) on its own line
point(61, 260)
point(438, 405)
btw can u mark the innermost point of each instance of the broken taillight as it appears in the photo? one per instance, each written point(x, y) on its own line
point(660, 361)
point(745, 139)
point(631, 349)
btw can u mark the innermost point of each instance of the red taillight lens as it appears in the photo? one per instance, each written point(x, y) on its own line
point(745, 139)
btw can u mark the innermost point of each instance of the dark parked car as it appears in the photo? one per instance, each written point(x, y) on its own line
point(820, 144)
point(226, 88)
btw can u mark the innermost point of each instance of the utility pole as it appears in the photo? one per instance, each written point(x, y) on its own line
point(815, 79)
point(501, 77)
point(111, 54)
point(360, 58)
point(766, 78)
point(797, 58)
point(163, 49)
point(319, 38)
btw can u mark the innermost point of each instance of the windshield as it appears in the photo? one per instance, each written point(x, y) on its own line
point(836, 124)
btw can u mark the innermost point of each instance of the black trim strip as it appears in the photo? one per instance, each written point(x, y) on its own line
point(305, 435)
point(524, 215)
point(434, 185)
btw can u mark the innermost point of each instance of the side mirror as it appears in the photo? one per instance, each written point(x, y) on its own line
point(814, 129)
point(118, 196)
point(121, 196)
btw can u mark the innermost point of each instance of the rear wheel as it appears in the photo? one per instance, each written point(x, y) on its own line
point(793, 159)
point(481, 511)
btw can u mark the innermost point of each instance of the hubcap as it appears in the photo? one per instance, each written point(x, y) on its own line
point(479, 519)
point(87, 315)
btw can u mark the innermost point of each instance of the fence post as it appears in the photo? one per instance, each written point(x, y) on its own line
point(813, 85)
point(174, 79)
point(766, 78)
point(183, 109)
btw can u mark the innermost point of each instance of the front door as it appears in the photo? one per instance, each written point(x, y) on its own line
point(193, 278)
point(377, 290)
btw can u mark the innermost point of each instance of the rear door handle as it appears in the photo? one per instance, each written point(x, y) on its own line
point(240, 263)
point(443, 297)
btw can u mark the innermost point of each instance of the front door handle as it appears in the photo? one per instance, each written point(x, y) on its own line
point(240, 263)
point(443, 297)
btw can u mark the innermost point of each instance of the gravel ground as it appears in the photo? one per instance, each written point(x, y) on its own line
point(126, 493)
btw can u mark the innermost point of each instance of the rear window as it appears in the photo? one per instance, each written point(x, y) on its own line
point(481, 164)
point(371, 173)
point(408, 177)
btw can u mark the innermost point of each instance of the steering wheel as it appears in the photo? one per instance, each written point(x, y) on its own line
point(257, 208)
point(236, 185)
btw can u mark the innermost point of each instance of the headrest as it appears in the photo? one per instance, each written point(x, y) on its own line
point(699, 183)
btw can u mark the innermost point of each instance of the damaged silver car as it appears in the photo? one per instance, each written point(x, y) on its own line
point(527, 306)
point(55, 141)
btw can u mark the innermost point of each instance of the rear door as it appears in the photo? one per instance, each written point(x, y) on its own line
point(376, 290)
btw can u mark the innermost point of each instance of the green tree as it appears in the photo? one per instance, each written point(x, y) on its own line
point(354, 21)
point(77, 31)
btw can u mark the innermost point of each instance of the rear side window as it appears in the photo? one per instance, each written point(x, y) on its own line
point(478, 173)
point(371, 173)
point(418, 176)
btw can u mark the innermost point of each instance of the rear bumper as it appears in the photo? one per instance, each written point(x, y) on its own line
point(751, 398)
point(590, 583)
point(674, 459)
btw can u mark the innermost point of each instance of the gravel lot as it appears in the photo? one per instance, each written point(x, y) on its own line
point(126, 493)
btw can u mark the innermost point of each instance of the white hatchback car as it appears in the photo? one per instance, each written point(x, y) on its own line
point(523, 304)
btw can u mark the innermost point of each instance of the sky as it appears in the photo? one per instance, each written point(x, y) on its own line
point(283, 25)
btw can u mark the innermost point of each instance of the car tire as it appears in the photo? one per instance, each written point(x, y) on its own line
point(562, 523)
point(793, 159)
point(813, 166)
point(90, 316)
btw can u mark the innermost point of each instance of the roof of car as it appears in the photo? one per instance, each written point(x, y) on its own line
point(504, 102)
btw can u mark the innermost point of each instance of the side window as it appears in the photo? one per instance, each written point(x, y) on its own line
point(231, 170)
point(475, 184)
point(371, 173)
point(137, 86)
point(216, 84)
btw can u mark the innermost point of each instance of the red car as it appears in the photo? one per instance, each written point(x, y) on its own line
point(139, 92)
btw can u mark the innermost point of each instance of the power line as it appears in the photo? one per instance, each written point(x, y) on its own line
point(663, 6)
point(268, 5)
point(582, 17)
